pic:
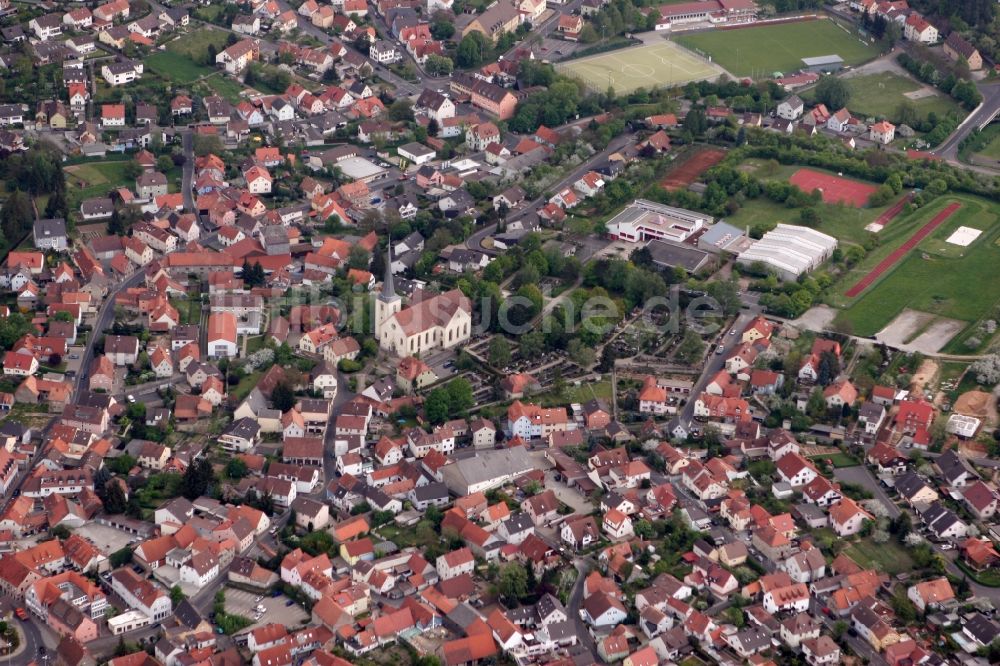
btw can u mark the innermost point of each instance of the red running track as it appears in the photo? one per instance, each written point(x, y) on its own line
point(898, 254)
point(897, 208)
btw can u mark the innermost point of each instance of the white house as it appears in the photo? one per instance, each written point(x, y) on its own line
point(222, 335)
point(455, 563)
point(918, 29)
point(791, 108)
point(791, 598)
point(847, 518)
point(882, 132)
point(200, 570)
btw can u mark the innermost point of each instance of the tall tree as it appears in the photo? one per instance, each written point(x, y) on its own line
point(833, 92)
point(114, 498)
point(16, 215)
point(499, 352)
point(197, 479)
point(282, 396)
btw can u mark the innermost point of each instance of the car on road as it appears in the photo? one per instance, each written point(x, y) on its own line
point(21, 613)
point(290, 602)
point(74, 356)
point(131, 398)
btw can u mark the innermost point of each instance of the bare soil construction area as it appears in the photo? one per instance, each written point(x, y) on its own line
point(922, 332)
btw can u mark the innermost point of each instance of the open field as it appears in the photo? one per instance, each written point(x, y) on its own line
point(881, 95)
point(842, 221)
point(223, 86)
point(583, 393)
point(761, 51)
point(925, 280)
point(646, 66)
point(195, 44)
point(901, 251)
point(94, 179)
point(889, 557)
point(176, 66)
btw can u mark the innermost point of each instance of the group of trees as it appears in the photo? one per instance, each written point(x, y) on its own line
point(267, 78)
point(34, 173)
point(449, 401)
point(552, 106)
point(253, 274)
point(727, 188)
point(197, 479)
point(832, 92)
point(964, 91)
point(617, 18)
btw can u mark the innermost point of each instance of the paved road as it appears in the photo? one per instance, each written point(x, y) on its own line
point(475, 241)
point(104, 318)
point(982, 116)
point(860, 475)
point(982, 462)
point(187, 179)
point(574, 606)
point(545, 28)
point(715, 362)
point(401, 85)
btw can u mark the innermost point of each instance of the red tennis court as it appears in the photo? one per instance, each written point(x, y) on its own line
point(834, 188)
point(690, 169)
point(898, 254)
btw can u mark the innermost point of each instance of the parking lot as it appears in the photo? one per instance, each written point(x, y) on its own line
point(241, 602)
point(107, 539)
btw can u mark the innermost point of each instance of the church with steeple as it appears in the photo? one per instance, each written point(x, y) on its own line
point(427, 322)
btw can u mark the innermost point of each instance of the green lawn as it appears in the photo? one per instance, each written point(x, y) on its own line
point(255, 344)
point(650, 65)
point(881, 95)
point(94, 179)
point(223, 86)
point(208, 14)
point(176, 67)
point(761, 51)
point(246, 385)
point(925, 280)
point(889, 557)
point(585, 392)
point(195, 45)
point(992, 149)
point(845, 223)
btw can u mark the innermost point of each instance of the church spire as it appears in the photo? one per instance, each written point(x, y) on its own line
point(388, 290)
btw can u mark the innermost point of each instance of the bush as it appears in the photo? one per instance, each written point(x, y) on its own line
point(348, 366)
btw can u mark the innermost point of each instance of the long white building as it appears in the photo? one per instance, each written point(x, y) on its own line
point(647, 220)
point(790, 251)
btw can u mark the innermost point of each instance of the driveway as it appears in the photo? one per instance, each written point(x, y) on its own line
point(860, 475)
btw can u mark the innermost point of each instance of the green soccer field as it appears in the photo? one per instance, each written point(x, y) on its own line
point(647, 66)
point(763, 50)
